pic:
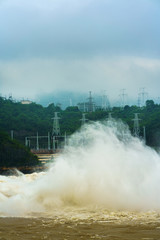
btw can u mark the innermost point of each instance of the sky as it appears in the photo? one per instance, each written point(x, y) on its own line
point(79, 46)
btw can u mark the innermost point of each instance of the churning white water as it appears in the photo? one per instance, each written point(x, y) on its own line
point(102, 166)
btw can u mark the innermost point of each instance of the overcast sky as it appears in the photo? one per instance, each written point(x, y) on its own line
point(79, 45)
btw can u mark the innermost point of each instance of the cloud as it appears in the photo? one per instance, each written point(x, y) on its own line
point(32, 77)
point(78, 28)
point(79, 45)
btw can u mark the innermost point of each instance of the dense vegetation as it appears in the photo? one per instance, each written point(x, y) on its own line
point(149, 118)
point(27, 120)
point(13, 154)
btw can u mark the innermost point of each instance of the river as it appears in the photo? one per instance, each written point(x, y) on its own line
point(85, 224)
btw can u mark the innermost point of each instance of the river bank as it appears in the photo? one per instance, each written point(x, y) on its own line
point(44, 160)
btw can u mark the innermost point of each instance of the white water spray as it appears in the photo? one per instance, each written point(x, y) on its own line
point(103, 166)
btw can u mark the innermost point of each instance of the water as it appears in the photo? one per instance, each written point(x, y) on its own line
point(106, 183)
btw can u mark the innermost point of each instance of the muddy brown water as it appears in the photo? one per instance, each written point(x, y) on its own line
point(82, 224)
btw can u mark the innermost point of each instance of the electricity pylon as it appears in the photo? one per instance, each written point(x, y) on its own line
point(55, 131)
point(109, 116)
point(90, 103)
point(56, 127)
point(123, 98)
point(136, 129)
point(142, 97)
point(83, 120)
point(105, 102)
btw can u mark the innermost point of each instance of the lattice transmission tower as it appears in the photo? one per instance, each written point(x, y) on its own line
point(142, 97)
point(84, 119)
point(110, 118)
point(136, 129)
point(56, 127)
point(91, 105)
point(105, 101)
point(56, 131)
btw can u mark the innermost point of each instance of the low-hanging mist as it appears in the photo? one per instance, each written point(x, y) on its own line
point(102, 166)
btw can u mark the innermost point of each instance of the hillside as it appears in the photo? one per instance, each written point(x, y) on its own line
point(27, 120)
point(13, 154)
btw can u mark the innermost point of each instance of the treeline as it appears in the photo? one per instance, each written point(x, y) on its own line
point(27, 120)
point(149, 116)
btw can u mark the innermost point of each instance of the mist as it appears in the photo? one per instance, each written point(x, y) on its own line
point(103, 166)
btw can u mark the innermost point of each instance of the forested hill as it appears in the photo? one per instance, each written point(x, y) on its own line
point(13, 154)
point(27, 120)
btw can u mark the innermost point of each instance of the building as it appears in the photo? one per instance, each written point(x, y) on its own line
point(26, 102)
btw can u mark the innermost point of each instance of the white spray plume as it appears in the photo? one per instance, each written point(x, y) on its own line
point(103, 165)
